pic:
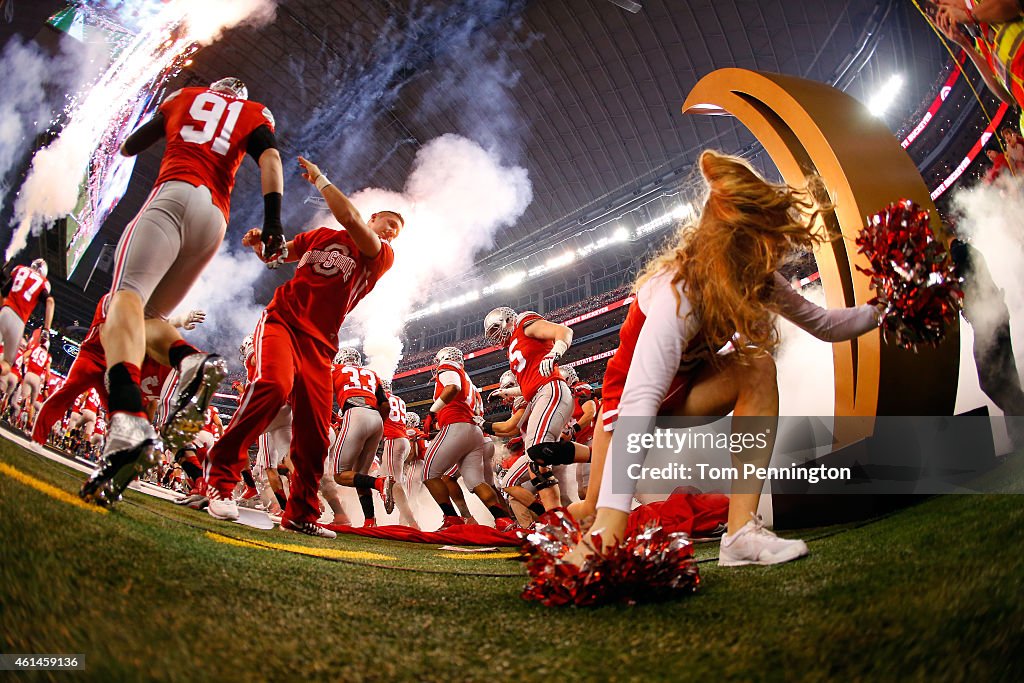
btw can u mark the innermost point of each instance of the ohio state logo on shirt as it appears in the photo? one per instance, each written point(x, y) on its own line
point(334, 259)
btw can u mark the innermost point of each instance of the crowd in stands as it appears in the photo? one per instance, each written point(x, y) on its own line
point(1011, 160)
point(417, 359)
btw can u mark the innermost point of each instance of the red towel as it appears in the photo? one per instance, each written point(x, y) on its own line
point(469, 534)
point(697, 514)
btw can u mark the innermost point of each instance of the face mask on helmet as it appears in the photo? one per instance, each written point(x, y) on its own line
point(498, 325)
point(348, 356)
point(570, 375)
point(386, 383)
point(39, 265)
point(231, 86)
point(412, 420)
point(449, 354)
point(508, 380)
point(245, 349)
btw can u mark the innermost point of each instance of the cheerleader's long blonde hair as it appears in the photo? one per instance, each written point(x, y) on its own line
point(726, 256)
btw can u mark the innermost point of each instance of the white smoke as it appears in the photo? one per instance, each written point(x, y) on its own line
point(224, 291)
point(51, 189)
point(990, 218)
point(455, 199)
point(206, 20)
point(25, 110)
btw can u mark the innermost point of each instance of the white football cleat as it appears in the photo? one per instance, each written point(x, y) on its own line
point(200, 375)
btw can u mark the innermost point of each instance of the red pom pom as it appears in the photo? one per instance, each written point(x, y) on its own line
point(649, 565)
point(912, 275)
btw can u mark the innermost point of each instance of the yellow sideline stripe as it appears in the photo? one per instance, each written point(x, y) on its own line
point(479, 556)
point(51, 491)
point(330, 553)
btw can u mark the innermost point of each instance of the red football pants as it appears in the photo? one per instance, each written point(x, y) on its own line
point(289, 363)
point(86, 373)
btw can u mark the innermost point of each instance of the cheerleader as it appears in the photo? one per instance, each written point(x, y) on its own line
point(716, 288)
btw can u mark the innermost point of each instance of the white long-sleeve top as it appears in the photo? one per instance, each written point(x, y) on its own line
point(666, 333)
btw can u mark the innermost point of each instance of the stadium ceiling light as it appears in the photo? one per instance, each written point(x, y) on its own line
point(683, 211)
point(880, 102)
point(621, 234)
point(511, 280)
point(563, 260)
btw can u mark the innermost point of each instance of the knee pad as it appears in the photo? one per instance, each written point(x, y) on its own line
point(552, 453)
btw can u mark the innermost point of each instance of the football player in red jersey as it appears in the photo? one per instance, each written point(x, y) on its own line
point(510, 395)
point(419, 443)
point(362, 401)
point(397, 449)
point(459, 441)
point(37, 373)
point(164, 250)
point(581, 427)
point(88, 412)
point(11, 381)
point(296, 340)
point(272, 465)
point(212, 430)
point(534, 347)
point(22, 293)
point(516, 476)
point(717, 283)
point(89, 367)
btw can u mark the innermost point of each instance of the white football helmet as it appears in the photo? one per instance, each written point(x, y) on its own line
point(232, 86)
point(499, 325)
point(412, 420)
point(583, 389)
point(246, 348)
point(449, 354)
point(39, 265)
point(348, 356)
point(569, 374)
point(386, 383)
point(508, 380)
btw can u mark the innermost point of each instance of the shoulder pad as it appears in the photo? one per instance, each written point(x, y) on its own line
point(172, 96)
point(269, 117)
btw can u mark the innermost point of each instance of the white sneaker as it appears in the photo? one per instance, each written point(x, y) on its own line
point(753, 544)
point(221, 507)
point(308, 528)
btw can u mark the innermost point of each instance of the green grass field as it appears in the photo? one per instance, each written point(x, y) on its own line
point(932, 592)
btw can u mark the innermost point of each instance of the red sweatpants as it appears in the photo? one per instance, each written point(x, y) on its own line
point(86, 372)
point(289, 363)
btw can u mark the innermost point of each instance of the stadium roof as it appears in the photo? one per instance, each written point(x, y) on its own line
point(584, 94)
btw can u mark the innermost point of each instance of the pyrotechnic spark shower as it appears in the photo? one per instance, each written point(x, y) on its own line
point(98, 117)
